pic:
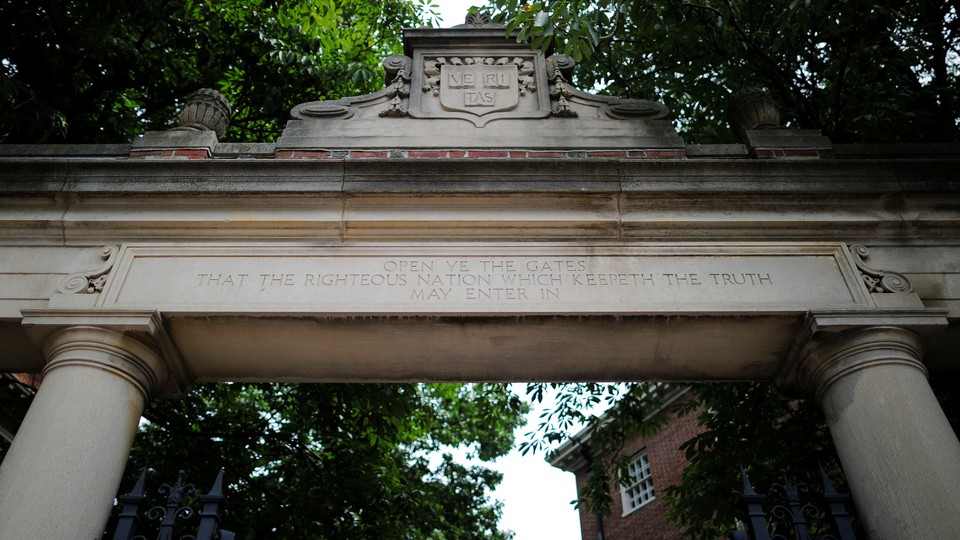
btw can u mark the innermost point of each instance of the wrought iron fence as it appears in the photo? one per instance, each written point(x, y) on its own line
point(789, 514)
point(163, 519)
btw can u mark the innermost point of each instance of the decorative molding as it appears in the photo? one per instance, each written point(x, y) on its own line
point(833, 357)
point(325, 110)
point(133, 344)
point(878, 281)
point(108, 350)
point(474, 73)
point(91, 281)
point(558, 61)
point(631, 108)
point(399, 89)
point(561, 94)
point(392, 65)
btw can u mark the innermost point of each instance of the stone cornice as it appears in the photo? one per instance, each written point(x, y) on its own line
point(210, 177)
point(102, 202)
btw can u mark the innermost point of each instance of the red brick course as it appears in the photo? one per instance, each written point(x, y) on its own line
point(480, 154)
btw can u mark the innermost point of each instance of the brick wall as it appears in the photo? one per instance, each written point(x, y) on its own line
point(481, 154)
point(666, 464)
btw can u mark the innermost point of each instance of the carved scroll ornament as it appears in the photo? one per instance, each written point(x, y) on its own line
point(878, 281)
point(91, 281)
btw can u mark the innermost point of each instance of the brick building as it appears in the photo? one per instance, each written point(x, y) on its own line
point(638, 511)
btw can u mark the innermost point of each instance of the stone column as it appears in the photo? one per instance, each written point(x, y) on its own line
point(60, 477)
point(900, 456)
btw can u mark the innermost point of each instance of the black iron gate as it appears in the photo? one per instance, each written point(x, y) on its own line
point(787, 516)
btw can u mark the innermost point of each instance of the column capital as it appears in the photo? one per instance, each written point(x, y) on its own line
point(832, 344)
point(131, 344)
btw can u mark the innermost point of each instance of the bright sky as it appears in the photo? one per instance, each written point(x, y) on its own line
point(536, 496)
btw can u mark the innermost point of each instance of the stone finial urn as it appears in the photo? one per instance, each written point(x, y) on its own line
point(752, 108)
point(206, 110)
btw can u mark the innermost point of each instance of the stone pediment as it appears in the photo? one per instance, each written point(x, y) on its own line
point(471, 87)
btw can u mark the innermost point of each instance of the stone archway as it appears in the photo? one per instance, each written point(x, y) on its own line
point(552, 235)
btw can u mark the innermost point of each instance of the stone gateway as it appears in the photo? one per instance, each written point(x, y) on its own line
point(478, 219)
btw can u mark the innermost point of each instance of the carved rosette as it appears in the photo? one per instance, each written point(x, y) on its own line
point(878, 281)
point(91, 281)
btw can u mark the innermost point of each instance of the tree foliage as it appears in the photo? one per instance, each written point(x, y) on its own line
point(630, 410)
point(83, 72)
point(742, 424)
point(338, 461)
point(859, 70)
point(749, 425)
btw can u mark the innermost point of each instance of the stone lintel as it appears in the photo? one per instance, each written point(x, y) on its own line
point(822, 328)
point(141, 334)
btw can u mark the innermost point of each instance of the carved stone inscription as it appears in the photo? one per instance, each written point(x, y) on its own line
point(479, 88)
point(437, 280)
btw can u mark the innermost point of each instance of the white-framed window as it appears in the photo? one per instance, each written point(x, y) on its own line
point(638, 490)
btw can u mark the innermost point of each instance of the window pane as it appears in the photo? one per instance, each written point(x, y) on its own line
point(640, 489)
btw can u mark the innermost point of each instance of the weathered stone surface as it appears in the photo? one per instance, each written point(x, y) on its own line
point(716, 151)
point(64, 150)
point(752, 109)
point(787, 138)
point(178, 139)
point(206, 110)
point(245, 150)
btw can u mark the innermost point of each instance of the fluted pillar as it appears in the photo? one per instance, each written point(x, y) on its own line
point(899, 454)
point(61, 474)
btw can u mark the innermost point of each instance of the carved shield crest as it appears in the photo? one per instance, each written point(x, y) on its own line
point(479, 88)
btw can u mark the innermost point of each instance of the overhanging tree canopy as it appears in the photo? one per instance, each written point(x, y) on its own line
point(859, 70)
point(339, 460)
point(84, 72)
